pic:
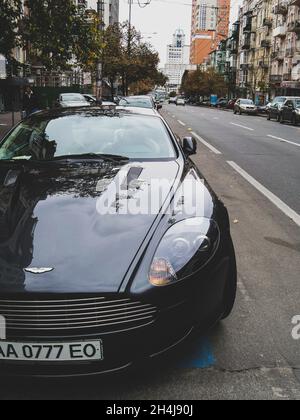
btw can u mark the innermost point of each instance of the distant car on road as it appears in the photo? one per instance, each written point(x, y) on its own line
point(275, 107)
point(290, 112)
point(172, 101)
point(72, 100)
point(222, 103)
point(138, 102)
point(245, 106)
point(180, 102)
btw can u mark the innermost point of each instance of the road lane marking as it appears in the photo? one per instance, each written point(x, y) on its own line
point(212, 148)
point(268, 194)
point(242, 126)
point(182, 123)
point(283, 140)
point(244, 290)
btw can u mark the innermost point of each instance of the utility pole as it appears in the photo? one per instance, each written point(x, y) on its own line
point(100, 12)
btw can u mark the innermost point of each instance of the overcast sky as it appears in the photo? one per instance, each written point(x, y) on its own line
point(163, 17)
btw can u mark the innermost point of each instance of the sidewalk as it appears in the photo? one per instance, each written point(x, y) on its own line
point(6, 122)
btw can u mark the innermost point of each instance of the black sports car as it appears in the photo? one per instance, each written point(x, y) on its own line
point(112, 246)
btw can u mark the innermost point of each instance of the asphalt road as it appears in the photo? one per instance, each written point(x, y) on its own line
point(252, 355)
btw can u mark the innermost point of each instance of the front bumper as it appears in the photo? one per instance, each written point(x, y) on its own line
point(200, 306)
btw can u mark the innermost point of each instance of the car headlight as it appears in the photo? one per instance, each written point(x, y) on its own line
point(186, 247)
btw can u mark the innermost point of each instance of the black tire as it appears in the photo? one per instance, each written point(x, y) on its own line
point(278, 118)
point(281, 120)
point(231, 287)
point(240, 113)
point(269, 117)
point(294, 120)
point(234, 111)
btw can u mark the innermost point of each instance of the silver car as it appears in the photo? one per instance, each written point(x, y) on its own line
point(72, 100)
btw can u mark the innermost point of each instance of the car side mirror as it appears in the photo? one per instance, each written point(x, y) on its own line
point(189, 145)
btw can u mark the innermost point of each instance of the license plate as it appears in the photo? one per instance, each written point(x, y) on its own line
point(54, 352)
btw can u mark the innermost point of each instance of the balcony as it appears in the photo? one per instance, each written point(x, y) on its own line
point(278, 55)
point(246, 67)
point(281, 9)
point(280, 32)
point(287, 76)
point(246, 44)
point(264, 65)
point(275, 78)
point(248, 25)
point(291, 52)
point(266, 43)
point(268, 22)
point(294, 27)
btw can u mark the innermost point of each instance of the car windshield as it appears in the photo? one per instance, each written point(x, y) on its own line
point(72, 98)
point(279, 100)
point(51, 137)
point(136, 102)
point(247, 102)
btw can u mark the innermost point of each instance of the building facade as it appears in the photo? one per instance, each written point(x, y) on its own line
point(210, 25)
point(268, 57)
point(177, 61)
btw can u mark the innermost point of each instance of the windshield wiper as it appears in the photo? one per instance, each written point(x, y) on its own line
point(93, 156)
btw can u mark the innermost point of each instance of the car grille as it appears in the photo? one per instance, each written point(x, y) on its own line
point(74, 316)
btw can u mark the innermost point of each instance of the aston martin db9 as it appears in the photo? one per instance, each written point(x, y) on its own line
point(113, 247)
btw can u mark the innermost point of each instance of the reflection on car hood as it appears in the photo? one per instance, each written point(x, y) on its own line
point(53, 218)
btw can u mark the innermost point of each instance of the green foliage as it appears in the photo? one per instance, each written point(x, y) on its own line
point(10, 14)
point(54, 30)
point(203, 83)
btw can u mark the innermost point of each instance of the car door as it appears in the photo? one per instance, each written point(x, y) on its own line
point(285, 110)
point(289, 111)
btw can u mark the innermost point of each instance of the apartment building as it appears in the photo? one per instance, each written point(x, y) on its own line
point(285, 68)
point(268, 56)
point(210, 25)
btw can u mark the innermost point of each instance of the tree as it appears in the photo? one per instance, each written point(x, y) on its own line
point(54, 30)
point(204, 83)
point(10, 15)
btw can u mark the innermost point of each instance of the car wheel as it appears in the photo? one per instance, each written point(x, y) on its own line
point(294, 120)
point(269, 117)
point(278, 118)
point(240, 113)
point(234, 111)
point(281, 119)
point(231, 286)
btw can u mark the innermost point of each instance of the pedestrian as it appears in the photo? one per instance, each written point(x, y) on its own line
point(29, 102)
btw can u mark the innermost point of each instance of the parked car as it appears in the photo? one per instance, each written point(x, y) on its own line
point(290, 112)
point(245, 106)
point(172, 101)
point(88, 285)
point(72, 100)
point(221, 103)
point(273, 110)
point(180, 102)
point(138, 102)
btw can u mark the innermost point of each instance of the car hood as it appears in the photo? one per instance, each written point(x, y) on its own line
point(63, 231)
